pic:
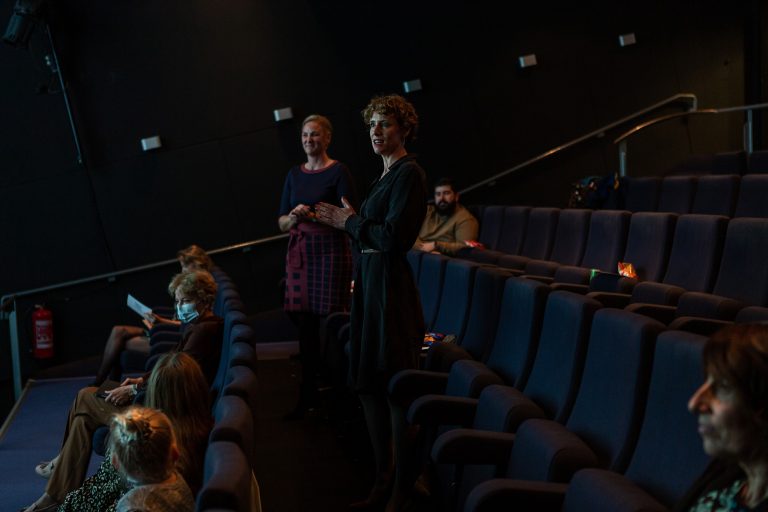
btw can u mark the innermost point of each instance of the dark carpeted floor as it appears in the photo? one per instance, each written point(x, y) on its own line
point(320, 463)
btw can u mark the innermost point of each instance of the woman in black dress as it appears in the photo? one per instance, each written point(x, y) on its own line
point(387, 326)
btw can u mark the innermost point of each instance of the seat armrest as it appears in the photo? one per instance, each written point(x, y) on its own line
point(407, 385)
point(541, 279)
point(520, 495)
point(664, 314)
point(441, 356)
point(581, 289)
point(470, 446)
point(442, 410)
point(611, 300)
point(703, 326)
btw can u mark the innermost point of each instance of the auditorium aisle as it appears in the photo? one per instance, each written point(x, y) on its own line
point(320, 463)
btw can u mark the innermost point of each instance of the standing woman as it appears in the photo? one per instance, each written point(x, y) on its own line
point(318, 266)
point(387, 326)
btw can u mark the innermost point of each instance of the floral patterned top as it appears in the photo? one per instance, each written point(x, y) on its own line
point(722, 500)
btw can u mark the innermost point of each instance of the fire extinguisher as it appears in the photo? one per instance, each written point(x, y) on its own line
point(42, 327)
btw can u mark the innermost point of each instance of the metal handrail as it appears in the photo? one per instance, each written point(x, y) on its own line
point(688, 97)
point(661, 119)
point(110, 276)
point(621, 140)
point(10, 299)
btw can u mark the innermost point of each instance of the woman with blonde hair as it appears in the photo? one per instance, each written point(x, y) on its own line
point(143, 449)
point(136, 338)
point(318, 265)
point(201, 339)
point(178, 388)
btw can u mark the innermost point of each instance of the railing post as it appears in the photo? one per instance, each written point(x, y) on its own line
point(13, 327)
point(623, 158)
point(747, 132)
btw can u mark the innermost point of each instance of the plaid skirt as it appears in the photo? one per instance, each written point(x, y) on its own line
point(318, 270)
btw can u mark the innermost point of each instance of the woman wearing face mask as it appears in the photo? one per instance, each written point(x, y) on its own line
point(318, 266)
point(135, 338)
point(386, 325)
point(202, 337)
point(732, 406)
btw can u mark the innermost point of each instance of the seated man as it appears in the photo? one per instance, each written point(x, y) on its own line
point(448, 225)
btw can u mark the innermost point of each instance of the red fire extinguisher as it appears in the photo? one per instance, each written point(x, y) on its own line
point(42, 339)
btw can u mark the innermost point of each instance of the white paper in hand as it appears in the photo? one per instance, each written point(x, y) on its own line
point(138, 307)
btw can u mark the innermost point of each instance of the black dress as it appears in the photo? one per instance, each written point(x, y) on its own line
point(386, 325)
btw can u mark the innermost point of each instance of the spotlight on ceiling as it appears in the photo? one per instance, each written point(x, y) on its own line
point(26, 13)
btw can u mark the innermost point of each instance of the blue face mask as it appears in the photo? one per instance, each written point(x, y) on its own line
point(186, 312)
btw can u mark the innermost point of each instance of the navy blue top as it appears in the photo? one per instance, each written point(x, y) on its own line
point(311, 187)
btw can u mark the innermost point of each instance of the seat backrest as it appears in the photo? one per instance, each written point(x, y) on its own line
point(518, 330)
point(233, 421)
point(696, 250)
point(758, 162)
point(607, 239)
point(731, 162)
point(571, 236)
point(609, 405)
point(556, 371)
point(226, 479)
point(716, 195)
point(676, 194)
point(743, 273)
point(540, 233)
point(649, 242)
point(241, 381)
point(430, 286)
point(642, 194)
point(669, 455)
point(235, 326)
point(752, 196)
point(414, 260)
point(458, 280)
point(513, 229)
point(483, 311)
point(223, 294)
point(490, 227)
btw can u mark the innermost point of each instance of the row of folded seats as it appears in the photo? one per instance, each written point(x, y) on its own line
point(731, 162)
point(548, 400)
point(228, 482)
point(690, 265)
point(730, 195)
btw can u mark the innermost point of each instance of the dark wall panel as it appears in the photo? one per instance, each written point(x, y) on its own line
point(51, 232)
point(155, 204)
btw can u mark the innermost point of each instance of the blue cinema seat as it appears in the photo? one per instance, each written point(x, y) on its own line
point(641, 194)
point(666, 460)
point(568, 246)
point(601, 430)
point(716, 195)
point(752, 196)
point(676, 194)
point(692, 265)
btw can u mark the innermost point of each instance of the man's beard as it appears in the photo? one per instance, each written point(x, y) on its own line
point(444, 208)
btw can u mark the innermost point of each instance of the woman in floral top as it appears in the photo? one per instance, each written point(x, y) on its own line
point(732, 406)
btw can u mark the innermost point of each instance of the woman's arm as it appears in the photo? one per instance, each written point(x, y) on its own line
point(405, 214)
